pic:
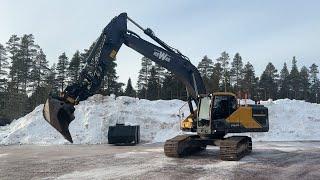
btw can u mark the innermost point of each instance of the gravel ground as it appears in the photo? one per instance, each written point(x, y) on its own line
point(269, 160)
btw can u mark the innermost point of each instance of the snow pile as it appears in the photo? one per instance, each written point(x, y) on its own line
point(158, 121)
point(289, 120)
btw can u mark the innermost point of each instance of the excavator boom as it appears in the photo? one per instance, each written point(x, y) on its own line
point(58, 111)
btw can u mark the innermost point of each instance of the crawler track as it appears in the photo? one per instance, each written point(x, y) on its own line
point(235, 147)
point(231, 149)
point(183, 145)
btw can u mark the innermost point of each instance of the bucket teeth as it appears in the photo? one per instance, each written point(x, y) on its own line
point(59, 115)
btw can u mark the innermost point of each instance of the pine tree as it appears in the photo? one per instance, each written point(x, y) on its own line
point(40, 69)
point(249, 81)
point(294, 81)
point(268, 82)
point(13, 46)
point(129, 91)
point(74, 67)
point(315, 84)
point(28, 52)
point(62, 71)
point(224, 61)
point(304, 84)
point(284, 82)
point(4, 65)
point(236, 72)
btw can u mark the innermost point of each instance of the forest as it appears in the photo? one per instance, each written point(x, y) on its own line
point(27, 78)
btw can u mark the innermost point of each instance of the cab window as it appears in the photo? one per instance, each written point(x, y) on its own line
point(204, 112)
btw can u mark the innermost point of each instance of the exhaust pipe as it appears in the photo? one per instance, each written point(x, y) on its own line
point(59, 115)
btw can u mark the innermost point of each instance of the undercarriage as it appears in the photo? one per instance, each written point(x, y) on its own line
point(231, 148)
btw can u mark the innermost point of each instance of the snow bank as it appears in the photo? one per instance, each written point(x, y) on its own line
point(158, 121)
point(290, 120)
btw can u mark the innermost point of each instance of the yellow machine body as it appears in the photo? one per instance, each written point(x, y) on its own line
point(238, 118)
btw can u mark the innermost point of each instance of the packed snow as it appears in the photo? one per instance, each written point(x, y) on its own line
point(290, 120)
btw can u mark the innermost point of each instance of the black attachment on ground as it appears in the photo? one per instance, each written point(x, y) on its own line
point(122, 134)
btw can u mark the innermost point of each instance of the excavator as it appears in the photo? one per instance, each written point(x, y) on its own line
point(213, 118)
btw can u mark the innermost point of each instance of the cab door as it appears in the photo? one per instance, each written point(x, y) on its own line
point(204, 116)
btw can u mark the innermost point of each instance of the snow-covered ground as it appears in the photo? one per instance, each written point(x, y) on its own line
point(290, 120)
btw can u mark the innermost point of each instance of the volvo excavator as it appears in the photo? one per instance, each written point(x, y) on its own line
point(216, 114)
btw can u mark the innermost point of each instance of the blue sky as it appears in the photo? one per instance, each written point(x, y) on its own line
point(261, 31)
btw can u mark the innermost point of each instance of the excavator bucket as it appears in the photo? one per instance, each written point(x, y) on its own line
point(59, 115)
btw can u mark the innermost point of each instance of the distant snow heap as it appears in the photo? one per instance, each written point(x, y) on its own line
point(290, 120)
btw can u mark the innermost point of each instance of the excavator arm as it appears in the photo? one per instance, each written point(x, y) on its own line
point(58, 111)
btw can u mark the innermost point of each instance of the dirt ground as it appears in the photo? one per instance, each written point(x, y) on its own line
point(269, 160)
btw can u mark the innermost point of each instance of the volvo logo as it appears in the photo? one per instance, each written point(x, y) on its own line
point(162, 55)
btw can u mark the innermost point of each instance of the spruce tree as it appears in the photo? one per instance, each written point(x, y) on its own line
point(173, 88)
point(129, 91)
point(236, 72)
point(294, 80)
point(268, 82)
point(40, 69)
point(144, 73)
point(304, 84)
point(152, 88)
point(4, 65)
point(142, 93)
point(110, 85)
point(224, 61)
point(51, 80)
point(160, 74)
point(84, 55)
point(249, 82)
point(315, 84)
point(74, 67)
point(62, 66)
point(284, 82)
point(205, 67)
point(215, 79)
point(168, 87)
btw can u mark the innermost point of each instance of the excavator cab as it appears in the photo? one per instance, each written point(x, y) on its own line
point(213, 109)
point(224, 104)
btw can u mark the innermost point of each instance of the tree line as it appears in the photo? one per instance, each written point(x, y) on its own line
point(26, 78)
point(233, 75)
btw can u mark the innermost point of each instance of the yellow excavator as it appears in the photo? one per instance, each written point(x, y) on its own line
point(216, 114)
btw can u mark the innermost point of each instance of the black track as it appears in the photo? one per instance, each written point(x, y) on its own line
point(231, 149)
